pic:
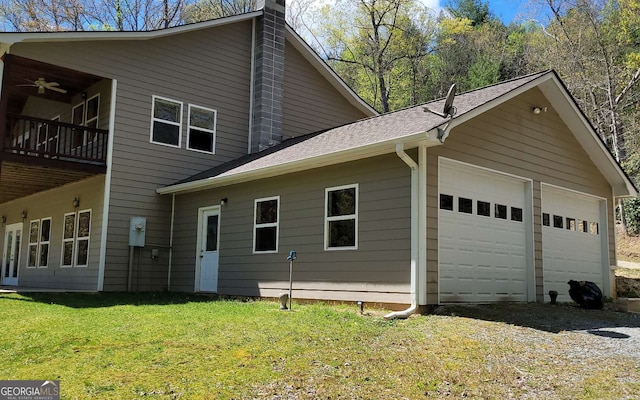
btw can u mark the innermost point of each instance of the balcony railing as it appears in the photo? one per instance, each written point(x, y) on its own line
point(45, 138)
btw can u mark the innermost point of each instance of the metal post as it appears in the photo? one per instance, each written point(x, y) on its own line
point(292, 256)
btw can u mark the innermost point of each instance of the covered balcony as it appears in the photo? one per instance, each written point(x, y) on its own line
point(53, 126)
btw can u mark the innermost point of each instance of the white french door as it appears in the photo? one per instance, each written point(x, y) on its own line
point(11, 254)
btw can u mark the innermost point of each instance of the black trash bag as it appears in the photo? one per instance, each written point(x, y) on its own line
point(586, 293)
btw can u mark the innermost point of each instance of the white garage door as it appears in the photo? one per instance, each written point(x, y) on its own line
point(571, 240)
point(482, 235)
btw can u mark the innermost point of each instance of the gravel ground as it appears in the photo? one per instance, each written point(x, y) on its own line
point(586, 334)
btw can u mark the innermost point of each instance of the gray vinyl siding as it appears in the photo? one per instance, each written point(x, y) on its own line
point(208, 68)
point(377, 271)
point(310, 103)
point(511, 139)
point(55, 203)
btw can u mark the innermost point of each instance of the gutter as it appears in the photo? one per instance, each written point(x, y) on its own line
point(415, 244)
point(371, 150)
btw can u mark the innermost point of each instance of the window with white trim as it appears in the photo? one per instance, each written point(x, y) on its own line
point(166, 121)
point(266, 225)
point(75, 239)
point(39, 237)
point(201, 129)
point(341, 218)
point(91, 114)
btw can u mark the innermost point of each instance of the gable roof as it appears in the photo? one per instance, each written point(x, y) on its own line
point(7, 39)
point(410, 127)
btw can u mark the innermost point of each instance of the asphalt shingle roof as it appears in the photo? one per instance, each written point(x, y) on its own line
point(379, 129)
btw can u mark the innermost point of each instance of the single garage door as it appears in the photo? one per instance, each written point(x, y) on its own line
point(571, 240)
point(482, 235)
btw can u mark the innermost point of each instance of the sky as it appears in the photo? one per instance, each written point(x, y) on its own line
point(507, 10)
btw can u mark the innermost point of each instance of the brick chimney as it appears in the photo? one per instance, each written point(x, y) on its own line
point(268, 75)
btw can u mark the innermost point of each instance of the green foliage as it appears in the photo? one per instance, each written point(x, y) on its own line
point(379, 45)
point(476, 11)
point(483, 72)
point(632, 215)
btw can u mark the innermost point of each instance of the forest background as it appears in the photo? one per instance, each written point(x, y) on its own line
point(399, 53)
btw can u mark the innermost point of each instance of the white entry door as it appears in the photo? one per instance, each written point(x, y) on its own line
point(210, 225)
point(11, 254)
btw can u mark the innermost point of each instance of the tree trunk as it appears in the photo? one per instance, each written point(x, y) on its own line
point(623, 218)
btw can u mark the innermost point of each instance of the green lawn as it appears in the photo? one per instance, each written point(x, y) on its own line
point(180, 346)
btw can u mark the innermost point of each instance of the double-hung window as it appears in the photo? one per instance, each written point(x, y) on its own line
point(201, 132)
point(341, 218)
point(75, 239)
point(39, 237)
point(166, 122)
point(265, 225)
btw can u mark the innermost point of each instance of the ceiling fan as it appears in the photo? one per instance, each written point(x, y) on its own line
point(42, 84)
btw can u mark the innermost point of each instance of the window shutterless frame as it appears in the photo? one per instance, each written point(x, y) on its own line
point(76, 236)
point(68, 240)
point(34, 235)
point(165, 122)
point(201, 129)
point(44, 242)
point(82, 240)
point(341, 219)
point(92, 116)
point(264, 226)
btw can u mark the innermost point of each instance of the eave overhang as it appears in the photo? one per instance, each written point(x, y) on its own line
point(10, 38)
point(372, 150)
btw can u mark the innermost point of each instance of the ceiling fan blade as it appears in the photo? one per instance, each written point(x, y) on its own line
point(32, 85)
point(48, 85)
point(55, 89)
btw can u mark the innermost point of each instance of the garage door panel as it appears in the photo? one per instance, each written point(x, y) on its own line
point(570, 253)
point(482, 257)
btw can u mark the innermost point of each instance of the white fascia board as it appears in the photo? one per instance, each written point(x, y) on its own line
point(25, 37)
point(428, 139)
point(321, 66)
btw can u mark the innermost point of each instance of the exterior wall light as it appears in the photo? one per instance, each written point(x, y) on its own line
point(76, 202)
point(23, 214)
point(3, 219)
point(538, 110)
point(224, 201)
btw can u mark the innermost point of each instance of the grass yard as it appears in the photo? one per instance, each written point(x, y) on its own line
point(170, 346)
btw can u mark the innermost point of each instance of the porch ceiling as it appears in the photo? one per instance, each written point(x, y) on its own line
point(21, 71)
point(18, 180)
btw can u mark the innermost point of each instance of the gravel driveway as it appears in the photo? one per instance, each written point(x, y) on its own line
point(586, 334)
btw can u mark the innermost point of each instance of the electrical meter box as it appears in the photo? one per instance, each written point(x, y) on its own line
point(137, 230)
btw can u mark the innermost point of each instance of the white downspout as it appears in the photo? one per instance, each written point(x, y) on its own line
point(415, 245)
point(251, 82)
point(173, 213)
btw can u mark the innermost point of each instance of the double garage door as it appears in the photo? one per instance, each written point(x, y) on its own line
point(485, 237)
